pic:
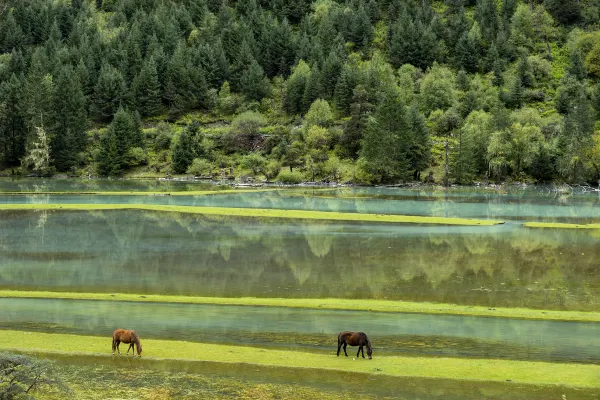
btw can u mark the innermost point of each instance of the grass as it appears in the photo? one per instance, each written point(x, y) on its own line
point(540, 373)
point(555, 225)
point(260, 213)
point(325, 304)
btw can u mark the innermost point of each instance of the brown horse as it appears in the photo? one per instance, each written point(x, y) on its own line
point(355, 339)
point(128, 337)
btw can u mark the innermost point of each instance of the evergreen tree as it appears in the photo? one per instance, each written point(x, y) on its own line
point(68, 121)
point(254, 84)
point(354, 129)
point(576, 67)
point(179, 89)
point(115, 143)
point(108, 93)
point(183, 153)
point(13, 132)
point(387, 140)
point(147, 89)
point(566, 11)
point(295, 87)
point(419, 153)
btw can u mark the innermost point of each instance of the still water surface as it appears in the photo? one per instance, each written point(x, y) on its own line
point(172, 253)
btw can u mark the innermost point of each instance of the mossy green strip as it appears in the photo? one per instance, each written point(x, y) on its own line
point(539, 373)
point(142, 193)
point(324, 304)
point(259, 213)
point(560, 226)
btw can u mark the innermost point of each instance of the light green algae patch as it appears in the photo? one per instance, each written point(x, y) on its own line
point(325, 304)
point(539, 373)
point(259, 213)
point(142, 193)
point(560, 226)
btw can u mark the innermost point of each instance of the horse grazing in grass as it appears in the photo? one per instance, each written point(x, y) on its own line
point(128, 337)
point(355, 339)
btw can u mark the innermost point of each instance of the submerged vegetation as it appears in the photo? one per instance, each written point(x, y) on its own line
point(353, 91)
point(261, 213)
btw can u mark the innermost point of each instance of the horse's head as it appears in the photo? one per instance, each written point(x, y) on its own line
point(138, 344)
point(369, 349)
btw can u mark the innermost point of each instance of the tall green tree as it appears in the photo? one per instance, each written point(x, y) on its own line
point(183, 152)
point(68, 122)
point(387, 140)
point(109, 93)
point(13, 131)
point(146, 87)
point(115, 143)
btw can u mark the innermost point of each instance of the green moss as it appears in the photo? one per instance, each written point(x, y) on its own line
point(325, 304)
point(574, 375)
point(260, 213)
point(555, 225)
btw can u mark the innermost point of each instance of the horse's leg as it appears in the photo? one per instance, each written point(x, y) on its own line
point(339, 347)
point(114, 346)
point(118, 350)
point(131, 348)
point(345, 344)
point(359, 347)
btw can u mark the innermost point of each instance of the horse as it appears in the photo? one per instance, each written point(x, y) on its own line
point(128, 337)
point(355, 339)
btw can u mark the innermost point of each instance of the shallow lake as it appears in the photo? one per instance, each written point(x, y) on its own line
point(174, 253)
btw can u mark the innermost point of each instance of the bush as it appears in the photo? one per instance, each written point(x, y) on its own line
point(200, 167)
point(290, 178)
point(21, 376)
point(136, 156)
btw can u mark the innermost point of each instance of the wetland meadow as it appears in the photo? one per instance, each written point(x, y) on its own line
point(465, 293)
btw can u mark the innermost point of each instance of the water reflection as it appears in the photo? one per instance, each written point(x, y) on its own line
point(270, 326)
point(172, 253)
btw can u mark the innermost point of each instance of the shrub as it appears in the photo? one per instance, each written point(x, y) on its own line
point(200, 167)
point(290, 178)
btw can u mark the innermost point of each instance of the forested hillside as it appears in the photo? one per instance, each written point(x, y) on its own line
point(364, 91)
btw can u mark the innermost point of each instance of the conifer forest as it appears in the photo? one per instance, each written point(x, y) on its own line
point(361, 91)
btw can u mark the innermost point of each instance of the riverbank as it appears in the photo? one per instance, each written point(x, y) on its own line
point(524, 372)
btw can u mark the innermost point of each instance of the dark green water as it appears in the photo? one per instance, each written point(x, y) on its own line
point(171, 253)
point(309, 329)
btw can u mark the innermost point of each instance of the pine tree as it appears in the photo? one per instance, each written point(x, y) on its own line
point(354, 129)
point(576, 67)
point(68, 121)
point(13, 132)
point(108, 93)
point(387, 140)
point(114, 144)
point(147, 89)
point(179, 89)
point(254, 84)
point(183, 153)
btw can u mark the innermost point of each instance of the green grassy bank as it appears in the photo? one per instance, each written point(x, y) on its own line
point(326, 304)
point(259, 213)
point(540, 373)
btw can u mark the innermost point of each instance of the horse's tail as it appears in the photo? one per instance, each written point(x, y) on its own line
point(114, 343)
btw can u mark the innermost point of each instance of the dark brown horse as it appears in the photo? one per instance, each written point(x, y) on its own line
point(355, 339)
point(127, 337)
